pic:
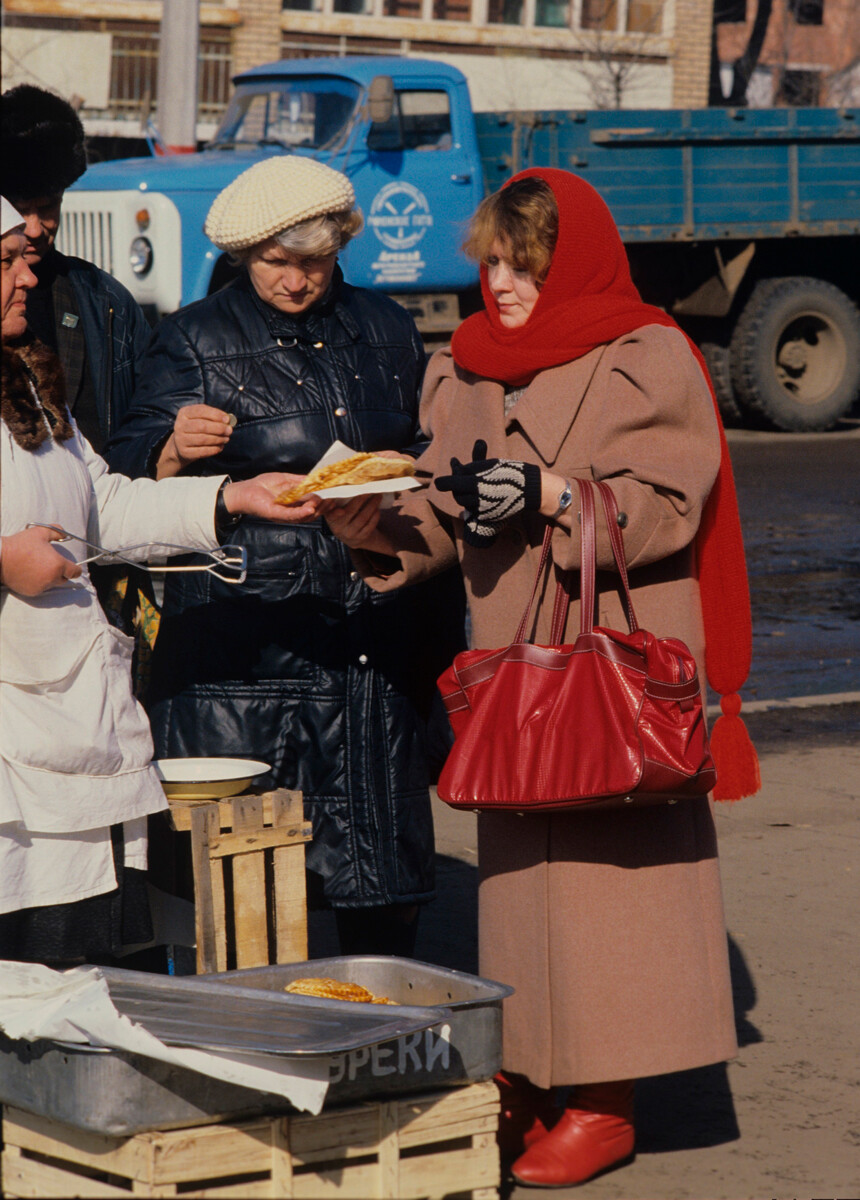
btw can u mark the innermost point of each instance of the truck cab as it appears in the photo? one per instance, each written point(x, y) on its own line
point(412, 157)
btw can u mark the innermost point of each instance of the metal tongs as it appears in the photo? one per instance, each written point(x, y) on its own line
point(227, 563)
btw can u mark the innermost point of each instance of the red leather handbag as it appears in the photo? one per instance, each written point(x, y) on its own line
point(615, 719)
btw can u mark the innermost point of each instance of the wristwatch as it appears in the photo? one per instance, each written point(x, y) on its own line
point(225, 521)
point(565, 499)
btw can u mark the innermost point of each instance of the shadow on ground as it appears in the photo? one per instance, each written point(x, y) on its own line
point(682, 1111)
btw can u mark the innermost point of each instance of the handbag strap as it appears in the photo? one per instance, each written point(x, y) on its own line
point(588, 566)
point(610, 508)
point(588, 540)
point(520, 635)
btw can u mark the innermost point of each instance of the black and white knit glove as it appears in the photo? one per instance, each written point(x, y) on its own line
point(491, 491)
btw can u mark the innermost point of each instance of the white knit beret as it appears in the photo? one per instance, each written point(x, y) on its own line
point(273, 196)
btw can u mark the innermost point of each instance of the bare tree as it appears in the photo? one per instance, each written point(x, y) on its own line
point(615, 60)
point(742, 67)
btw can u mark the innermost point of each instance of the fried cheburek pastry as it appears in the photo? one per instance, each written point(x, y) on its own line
point(333, 989)
point(358, 468)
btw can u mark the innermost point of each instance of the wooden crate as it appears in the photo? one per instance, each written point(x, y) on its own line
point(248, 856)
point(432, 1145)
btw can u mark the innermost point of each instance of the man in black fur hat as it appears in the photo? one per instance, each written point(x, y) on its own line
point(85, 315)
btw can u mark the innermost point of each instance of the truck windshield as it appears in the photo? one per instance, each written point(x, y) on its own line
point(308, 113)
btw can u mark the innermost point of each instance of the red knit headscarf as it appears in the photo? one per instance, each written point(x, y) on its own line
point(588, 299)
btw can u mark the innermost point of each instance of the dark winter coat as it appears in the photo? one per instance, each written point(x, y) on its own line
point(303, 666)
point(108, 340)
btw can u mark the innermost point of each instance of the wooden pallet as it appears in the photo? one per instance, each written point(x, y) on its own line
point(432, 1145)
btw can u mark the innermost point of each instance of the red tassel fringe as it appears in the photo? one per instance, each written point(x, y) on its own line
point(734, 755)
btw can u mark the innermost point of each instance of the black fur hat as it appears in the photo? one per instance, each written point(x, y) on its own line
point(41, 143)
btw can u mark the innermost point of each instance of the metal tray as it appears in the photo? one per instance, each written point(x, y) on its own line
point(463, 1046)
point(449, 1032)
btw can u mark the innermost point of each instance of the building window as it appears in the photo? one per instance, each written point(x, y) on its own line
point(800, 89)
point(301, 5)
point(402, 8)
point(645, 16)
point(599, 14)
point(505, 12)
point(730, 12)
point(357, 7)
point(807, 12)
point(452, 10)
point(552, 13)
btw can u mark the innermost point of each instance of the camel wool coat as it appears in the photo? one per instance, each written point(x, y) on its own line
point(609, 924)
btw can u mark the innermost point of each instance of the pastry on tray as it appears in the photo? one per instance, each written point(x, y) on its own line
point(333, 989)
point(358, 468)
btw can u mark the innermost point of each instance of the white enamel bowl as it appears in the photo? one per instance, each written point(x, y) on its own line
point(206, 778)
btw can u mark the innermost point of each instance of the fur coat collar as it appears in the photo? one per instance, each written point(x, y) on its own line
point(33, 390)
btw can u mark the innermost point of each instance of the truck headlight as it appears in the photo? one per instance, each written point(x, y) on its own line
point(140, 256)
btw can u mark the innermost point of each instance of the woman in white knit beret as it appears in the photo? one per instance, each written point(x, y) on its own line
point(308, 670)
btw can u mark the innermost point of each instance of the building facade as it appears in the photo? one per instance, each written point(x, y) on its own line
point(532, 54)
point(810, 54)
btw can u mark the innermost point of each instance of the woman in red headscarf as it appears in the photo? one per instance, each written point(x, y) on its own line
point(609, 924)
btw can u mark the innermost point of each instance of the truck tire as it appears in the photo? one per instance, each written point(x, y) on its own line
point(718, 360)
point(796, 353)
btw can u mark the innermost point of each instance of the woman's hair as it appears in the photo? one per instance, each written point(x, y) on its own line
point(316, 237)
point(524, 218)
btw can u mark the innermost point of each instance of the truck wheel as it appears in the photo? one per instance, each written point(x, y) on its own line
point(796, 353)
point(718, 360)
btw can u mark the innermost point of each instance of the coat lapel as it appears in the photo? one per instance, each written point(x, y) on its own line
point(550, 403)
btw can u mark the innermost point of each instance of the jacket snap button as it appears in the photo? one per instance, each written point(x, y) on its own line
point(353, 574)
point(362, 658)
point(340, 412)
point(318, 345)
point(298, 383)
point(628, 799)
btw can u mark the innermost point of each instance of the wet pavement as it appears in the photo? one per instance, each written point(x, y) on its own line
point(799, 498)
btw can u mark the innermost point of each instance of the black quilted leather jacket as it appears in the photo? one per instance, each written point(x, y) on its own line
point(303, 666)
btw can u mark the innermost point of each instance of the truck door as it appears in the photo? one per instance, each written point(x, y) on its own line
point(417, 190)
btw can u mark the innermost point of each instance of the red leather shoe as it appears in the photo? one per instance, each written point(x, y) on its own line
point(527, 1114)
point(594, 1133)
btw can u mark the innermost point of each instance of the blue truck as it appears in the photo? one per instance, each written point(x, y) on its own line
point(741, 223)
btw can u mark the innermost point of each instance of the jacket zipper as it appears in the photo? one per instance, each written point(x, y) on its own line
point(109, 371)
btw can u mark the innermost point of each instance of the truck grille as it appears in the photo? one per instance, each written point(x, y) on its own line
point(88, 235)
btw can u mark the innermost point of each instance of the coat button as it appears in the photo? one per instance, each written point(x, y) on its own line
point(340, 412)
point(362, 658)
point(318, 345)
point(353, 574)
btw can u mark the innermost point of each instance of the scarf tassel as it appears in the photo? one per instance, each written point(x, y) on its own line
point(734, 755)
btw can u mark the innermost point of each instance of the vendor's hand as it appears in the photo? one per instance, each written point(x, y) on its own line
point(256, 498)
point(354, 522)
point(29, 564)
point(491, 491)
point(199, 431)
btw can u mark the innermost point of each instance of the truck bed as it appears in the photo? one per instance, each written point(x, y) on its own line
point(691, 175)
